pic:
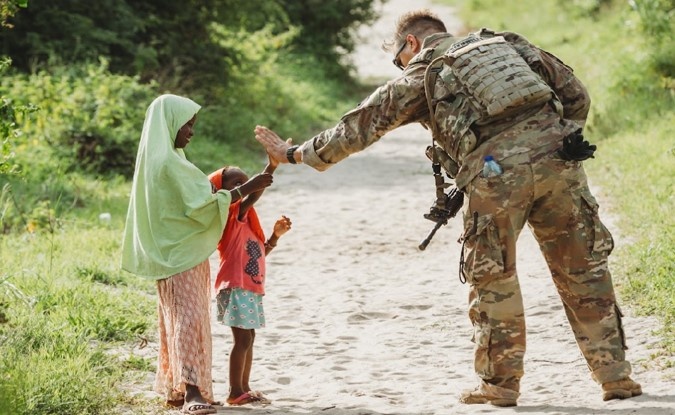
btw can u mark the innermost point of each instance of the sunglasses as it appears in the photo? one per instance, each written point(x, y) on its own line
point(396, 60)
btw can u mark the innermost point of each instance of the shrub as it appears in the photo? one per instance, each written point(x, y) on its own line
point(90, 119)
point(656, 21)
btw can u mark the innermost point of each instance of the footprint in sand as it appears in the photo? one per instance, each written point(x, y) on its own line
point(363, 317)
point(283, 380)
point(416, 307)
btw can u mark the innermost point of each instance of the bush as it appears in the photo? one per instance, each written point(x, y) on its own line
point(656, 20)
point(292, 93)
point(89, 119)
point(10, 133)
point(326, 27)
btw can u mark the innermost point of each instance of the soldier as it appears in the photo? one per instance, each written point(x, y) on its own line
point(496, 94)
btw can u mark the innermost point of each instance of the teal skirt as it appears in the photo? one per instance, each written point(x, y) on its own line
point(240, 308)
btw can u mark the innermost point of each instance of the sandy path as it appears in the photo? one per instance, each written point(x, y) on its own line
point(362, 322)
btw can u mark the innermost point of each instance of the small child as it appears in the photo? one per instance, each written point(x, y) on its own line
point(240, 284)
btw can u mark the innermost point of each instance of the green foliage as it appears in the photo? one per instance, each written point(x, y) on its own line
point(636, 97)
point(290, 92)
point(10, 133)
point(172, 41)
point(144, 38)
point(36, 203)
point(139, 363)
point(326, 27)
point(584, 8)
point(8, 8)
point(90, 119)
point(95, 274)
point(656, 20)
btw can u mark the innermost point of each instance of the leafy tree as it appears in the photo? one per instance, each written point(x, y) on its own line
point(656, 17)
point(326, 27)
point(172, 41)
point(8, 8)
point(89, 119)
point(8, 126)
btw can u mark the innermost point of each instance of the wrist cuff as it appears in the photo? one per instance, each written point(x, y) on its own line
point(289, 154)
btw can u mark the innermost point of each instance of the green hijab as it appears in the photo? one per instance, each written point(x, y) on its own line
point(174, 220)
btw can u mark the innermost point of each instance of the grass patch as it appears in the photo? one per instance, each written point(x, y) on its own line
point(637, 168)
point(66, 309)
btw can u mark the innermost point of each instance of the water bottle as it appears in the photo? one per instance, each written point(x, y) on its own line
point(491, 168)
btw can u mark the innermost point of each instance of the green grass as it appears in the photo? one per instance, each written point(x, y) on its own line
point(631, 121)
point(637, 168)
point(67, 310)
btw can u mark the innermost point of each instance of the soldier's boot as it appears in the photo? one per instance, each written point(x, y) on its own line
point(621, 389)
point(490, 394)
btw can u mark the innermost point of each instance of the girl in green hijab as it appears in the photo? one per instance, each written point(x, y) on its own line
point(173, 225)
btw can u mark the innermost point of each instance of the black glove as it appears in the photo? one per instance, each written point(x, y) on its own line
point(575, 148)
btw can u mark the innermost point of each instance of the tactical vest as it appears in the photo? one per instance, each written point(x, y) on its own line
point(478, 79)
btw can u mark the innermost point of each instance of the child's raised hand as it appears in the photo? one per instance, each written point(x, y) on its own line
point(281, 226)
point(256, 183)
point(273, 163)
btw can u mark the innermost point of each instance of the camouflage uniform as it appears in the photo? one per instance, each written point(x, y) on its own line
point(537, 187)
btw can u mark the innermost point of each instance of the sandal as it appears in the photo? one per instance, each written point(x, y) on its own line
point(198, 409)
point(261, 398)
point(244, 398)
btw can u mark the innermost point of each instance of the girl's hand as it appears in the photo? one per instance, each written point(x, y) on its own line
point(281, 226)
point(272, 163)
point(256, 183)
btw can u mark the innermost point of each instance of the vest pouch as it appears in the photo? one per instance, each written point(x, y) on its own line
point(455, 122)
point(455, 111)
point(497, 78)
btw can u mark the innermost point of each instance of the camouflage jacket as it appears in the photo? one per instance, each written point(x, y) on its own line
point(402, 101)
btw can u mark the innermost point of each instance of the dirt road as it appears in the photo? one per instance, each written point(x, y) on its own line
point(362, 322)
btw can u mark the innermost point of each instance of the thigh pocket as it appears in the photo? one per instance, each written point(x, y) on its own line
point(599, 240)
point(481, 250)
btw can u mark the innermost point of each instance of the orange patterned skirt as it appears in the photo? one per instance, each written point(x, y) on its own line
point(185, 333)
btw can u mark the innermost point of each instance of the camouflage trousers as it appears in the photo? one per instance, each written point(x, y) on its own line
point(553, 198)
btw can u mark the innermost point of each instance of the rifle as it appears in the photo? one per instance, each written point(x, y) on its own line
point(442, 212)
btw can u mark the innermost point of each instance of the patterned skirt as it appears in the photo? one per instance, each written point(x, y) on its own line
point(185, 333)
point(240, 308)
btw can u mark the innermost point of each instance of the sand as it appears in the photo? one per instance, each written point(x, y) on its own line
point(359, 321)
